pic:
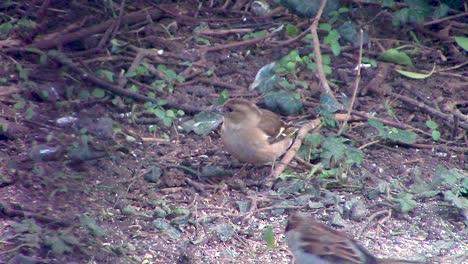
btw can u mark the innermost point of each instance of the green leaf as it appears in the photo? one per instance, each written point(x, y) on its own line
point(388, 3)
point(313, 140)
point(335, 147)
point(416, 75)
point(167, 121)
point(142, 70)
point(325, 26)
point(6, 27)
point(257, 34)
point(283, 102)
point(170, 113)
point(57, 245)
point(222, 98)
point(243, 206)
point(441, 11)
point(98, 93)
point(224, 231)
point(128, 210)
point(435, 135)
point(266, 78)
point(269, 237)
point(459, 202)
point(396, 56)
point(349, 32)
point(336, 49)
point(431, 124)
point(29, 114)
point(106, 74)
point(292, 30)
point(160, 113)
point(406, 202)
point(307, 8)
point(446, 177)
point(92, 226)
point(202, 40)
point(328, 104)
point(203, 123)
point(462, 42)
point(407, 137)
point(153, 174)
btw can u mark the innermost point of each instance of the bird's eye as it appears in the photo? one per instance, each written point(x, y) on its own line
point(229, 109)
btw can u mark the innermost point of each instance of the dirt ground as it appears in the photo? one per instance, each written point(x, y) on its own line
point(83, 179)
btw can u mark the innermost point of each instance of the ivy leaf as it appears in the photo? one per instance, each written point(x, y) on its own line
point(203, 123)
point(269, 237)
point(396, 56)
point(265, 79)
point(283, 102)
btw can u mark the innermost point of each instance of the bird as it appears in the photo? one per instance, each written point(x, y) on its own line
point(312, 242)
point(252, 134)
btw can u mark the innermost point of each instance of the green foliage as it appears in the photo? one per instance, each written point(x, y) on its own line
point(140, 70)
point(415, 12)
point(306, 8)
point(21, 26)
point(203, 41)
point(396, 56)
point(269, 237)
point(338, 149)
point(117, 46)
point(292, 30)
point(310, 148)
point(244, 205)
point(462, 42)
point(98, 93)
point(288, 63)
point(224, 231)
point(128, 210)
point(451, 184)
point(57, 245)
point(415, 75)
point(257, 34)
point(166, 116)
point(283, 102)
point(108, 75)
point(21, 104)
point(30, 235)
point(393, 133)
point(170, 77)
point(406, 202)
point(92, 226)
point(433, 126)
point(266, 78)
point(223, 97)
point(203, 123)
point(349, 32)
point(22, 72)
point(332, 38)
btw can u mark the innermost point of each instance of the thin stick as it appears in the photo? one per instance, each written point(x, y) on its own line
point(356, 84)
point(325, 88)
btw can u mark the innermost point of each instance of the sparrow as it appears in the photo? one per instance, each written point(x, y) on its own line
point(254, 135)
point(312, 242)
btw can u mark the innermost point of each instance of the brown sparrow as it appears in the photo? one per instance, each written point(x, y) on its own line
point(312, 242)
point(254, 135)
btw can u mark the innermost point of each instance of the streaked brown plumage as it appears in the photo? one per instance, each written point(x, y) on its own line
point(312, 242)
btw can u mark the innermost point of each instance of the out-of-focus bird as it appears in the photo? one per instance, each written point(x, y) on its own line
point(254, 135)
point(312, 242)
